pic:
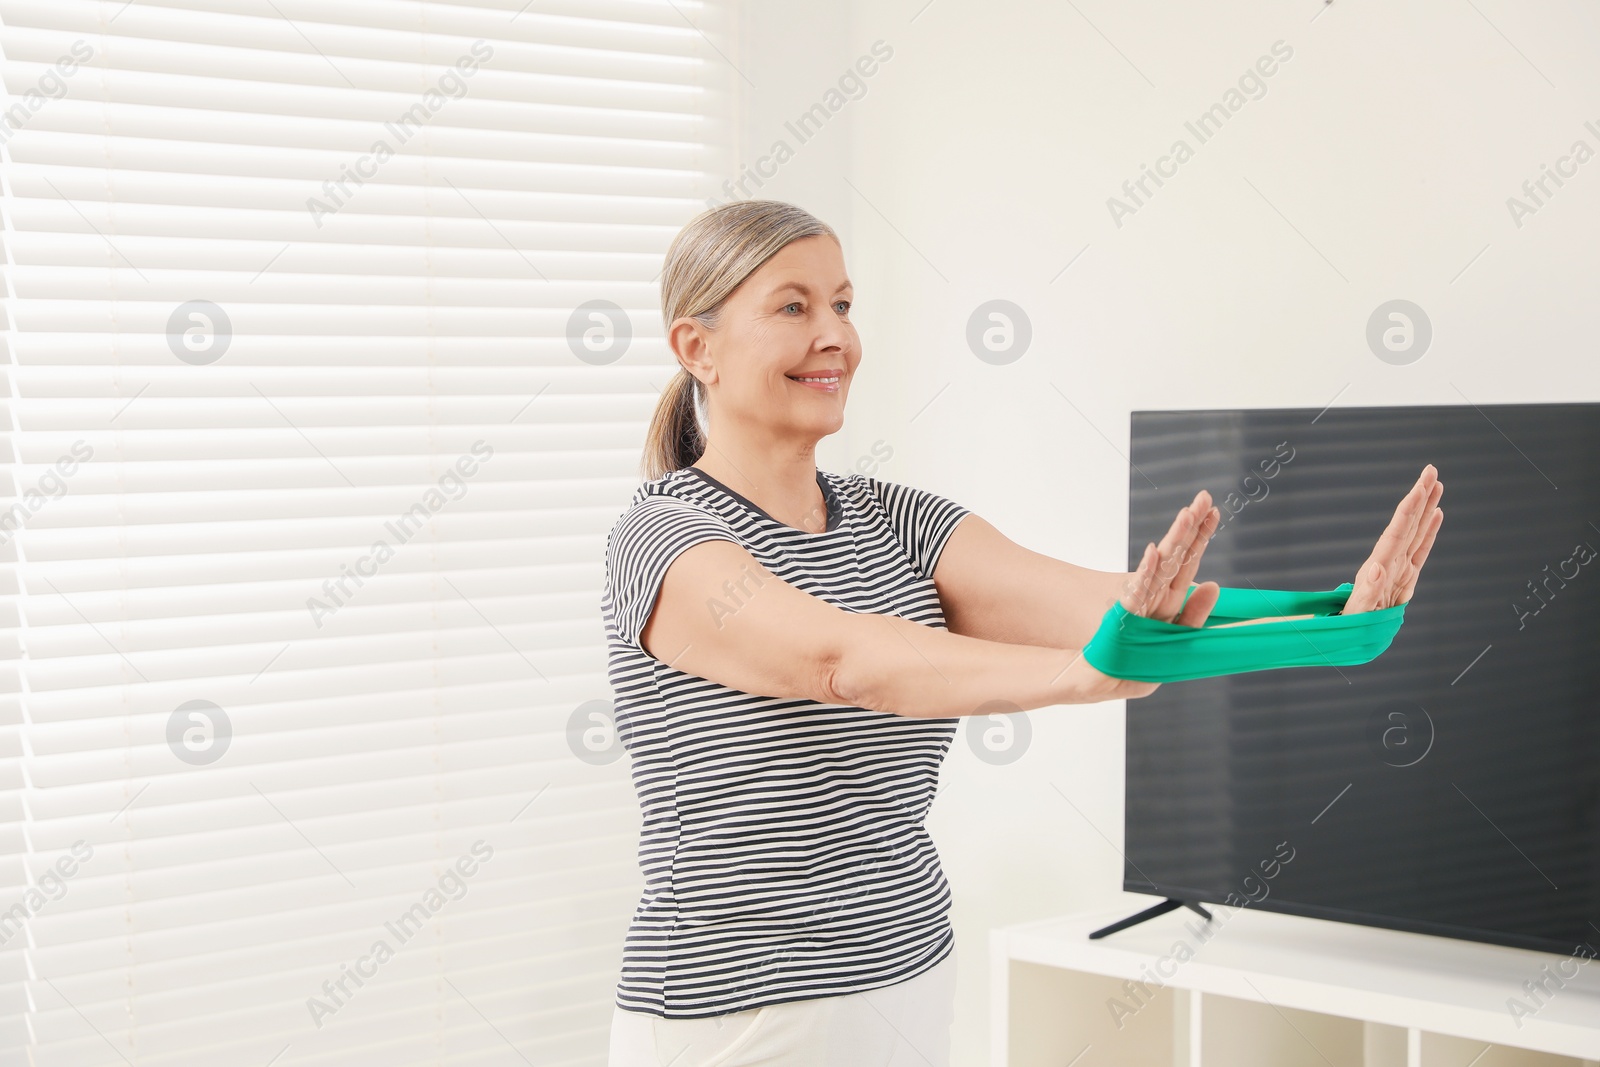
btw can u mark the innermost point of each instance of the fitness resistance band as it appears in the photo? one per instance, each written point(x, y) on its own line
point(1142, 649)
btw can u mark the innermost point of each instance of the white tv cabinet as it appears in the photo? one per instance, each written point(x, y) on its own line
point(1274, 990)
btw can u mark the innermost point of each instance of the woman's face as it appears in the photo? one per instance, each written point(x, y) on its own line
point(788, 320)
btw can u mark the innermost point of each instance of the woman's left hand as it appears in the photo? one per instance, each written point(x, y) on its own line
point(1389, 575)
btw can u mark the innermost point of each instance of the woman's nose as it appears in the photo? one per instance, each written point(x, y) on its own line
point(833, 334)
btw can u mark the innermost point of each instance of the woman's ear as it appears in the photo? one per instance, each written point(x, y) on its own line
point(687, 339)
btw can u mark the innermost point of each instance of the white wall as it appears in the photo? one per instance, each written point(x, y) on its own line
point(1377, 165)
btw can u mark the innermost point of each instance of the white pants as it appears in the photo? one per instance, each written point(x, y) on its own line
point(901, 1025)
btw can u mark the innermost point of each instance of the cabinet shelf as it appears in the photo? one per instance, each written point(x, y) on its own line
point(1262, 989)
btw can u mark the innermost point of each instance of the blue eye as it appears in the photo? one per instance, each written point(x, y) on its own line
point(846, 304)
point(786, 307)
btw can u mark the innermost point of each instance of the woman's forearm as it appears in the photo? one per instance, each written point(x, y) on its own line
point(994, 589)
point(894, 665)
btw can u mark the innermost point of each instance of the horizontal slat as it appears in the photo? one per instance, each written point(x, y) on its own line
point(351, 42)
point(484, 191)
point(55, 361)
point(621, 16)
point(375, 624)
point(359, 818)
point(178, 208)
point(289, 147)
point(150, 92)
point(264, 303)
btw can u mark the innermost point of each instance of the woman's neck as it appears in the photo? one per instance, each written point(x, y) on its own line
point(781, 482)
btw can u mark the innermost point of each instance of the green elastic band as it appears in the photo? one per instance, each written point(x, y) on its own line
point(1142, 649)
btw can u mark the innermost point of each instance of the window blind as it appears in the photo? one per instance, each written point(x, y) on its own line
point(311, 448)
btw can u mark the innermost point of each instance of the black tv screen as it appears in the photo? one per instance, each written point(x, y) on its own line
point(1452, 785)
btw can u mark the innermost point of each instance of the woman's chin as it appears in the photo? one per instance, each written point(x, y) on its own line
point(823, 427)
point(817, 429)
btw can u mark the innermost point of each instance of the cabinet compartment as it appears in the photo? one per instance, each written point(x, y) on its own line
point(1244, 1033)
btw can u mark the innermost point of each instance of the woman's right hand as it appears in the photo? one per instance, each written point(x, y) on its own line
point(1157, 587)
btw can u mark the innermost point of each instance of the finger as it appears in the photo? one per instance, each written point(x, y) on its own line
point(1199, 509)
point(1426, 516)
point(1210, 518)
point(1356, 601)
point(1197, 548)
point(1435, 520)
point(1430, 489)
point(1373, 586)
point(1419, 516)
point(1177, 551)
point(1428, 477)
point(1137, 596)
point(1401, 568)
point(1201, 601)
point(1130, 584)
point(1161, 565)
point(1368, 588)
point(1147, 578)
point(1404, 522)
point(1178, 533)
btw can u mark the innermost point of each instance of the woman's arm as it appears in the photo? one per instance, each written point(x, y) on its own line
point(993, 588)
point(721, 615)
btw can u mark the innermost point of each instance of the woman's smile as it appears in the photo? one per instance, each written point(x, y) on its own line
point(825, 380)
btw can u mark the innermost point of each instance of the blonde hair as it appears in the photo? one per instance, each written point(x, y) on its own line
point(708, 259)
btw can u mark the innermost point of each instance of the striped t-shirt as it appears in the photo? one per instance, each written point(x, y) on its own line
point(782, 843)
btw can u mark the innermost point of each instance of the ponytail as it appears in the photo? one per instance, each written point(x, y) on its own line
point(674, 440)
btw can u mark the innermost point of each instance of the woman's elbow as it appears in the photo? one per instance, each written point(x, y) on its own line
point(842, 665)
point(860, 668)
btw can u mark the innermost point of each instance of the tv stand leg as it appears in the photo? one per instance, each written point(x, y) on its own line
point(1151, 912)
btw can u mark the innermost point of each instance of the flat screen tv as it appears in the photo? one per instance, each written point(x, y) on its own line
point(1452, 785)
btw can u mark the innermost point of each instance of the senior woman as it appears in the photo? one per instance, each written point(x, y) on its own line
point(791, 650)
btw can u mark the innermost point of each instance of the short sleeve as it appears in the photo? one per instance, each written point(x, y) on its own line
point(642, 544)
point(923, 521)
